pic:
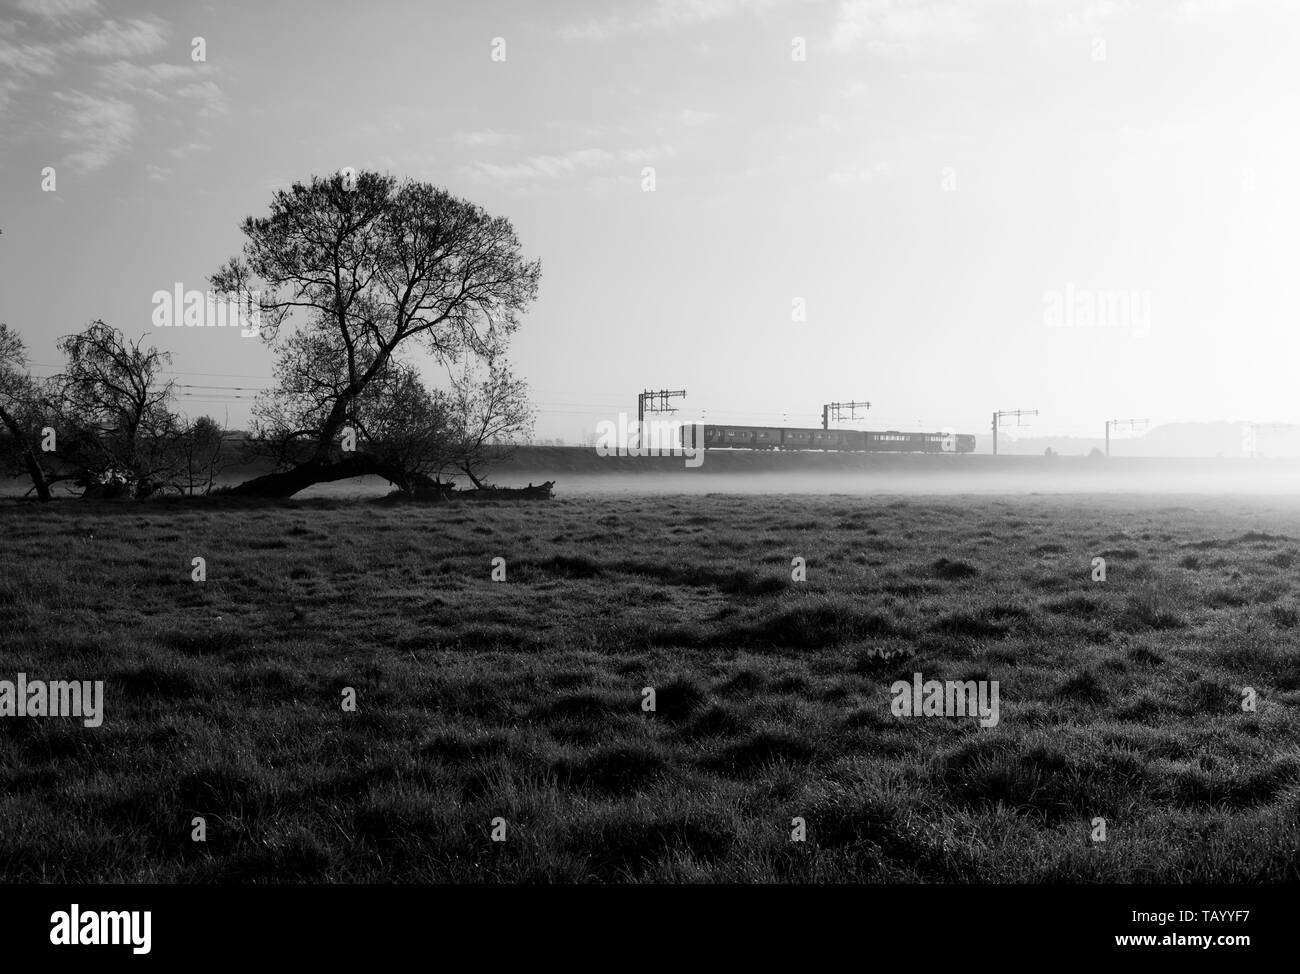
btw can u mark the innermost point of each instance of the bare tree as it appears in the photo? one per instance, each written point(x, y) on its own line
point(377, 269)
point(492, 411)
point(201, 446)
point(20, 408)
point(115, 425)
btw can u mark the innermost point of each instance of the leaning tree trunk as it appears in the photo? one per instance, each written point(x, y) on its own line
point(469, 472)
point(286, 483)
point(34, 469)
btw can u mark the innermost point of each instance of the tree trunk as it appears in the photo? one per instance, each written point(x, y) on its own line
point(286, 483)
point(34, 469)
point(470, 473)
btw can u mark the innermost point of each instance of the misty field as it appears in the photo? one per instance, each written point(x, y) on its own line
point(522, 699)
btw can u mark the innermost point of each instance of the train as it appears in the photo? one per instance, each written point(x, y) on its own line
point(853, 441)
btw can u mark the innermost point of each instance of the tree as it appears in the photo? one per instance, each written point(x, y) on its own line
point(115, 426)
point(20, 408)
point(200, 447)
point(490, 409)
point(378, 269)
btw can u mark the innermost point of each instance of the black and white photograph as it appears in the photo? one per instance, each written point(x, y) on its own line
point(530, 461)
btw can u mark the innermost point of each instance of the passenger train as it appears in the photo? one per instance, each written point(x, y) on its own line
point(854, 441)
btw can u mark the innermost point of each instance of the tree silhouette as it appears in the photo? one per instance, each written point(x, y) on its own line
point(349, 276)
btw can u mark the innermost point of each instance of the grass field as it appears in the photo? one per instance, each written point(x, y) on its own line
point(522, 699)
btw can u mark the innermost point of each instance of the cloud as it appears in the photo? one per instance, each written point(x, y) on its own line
point(97, 116)
point(541, 166)
point(20, 62)
point(189, 149)
point(473, 140)
point(164, 82)
point(58, 9)
point(208, 93)
point(860, 174)
point(21, 59)
point(904, 26)
point(156, 173)
point(100, 127)
point(1089, 18)
point(154, 78)
point(661, 15)
point(133, 38)
point(917, 26)
point(603, 163)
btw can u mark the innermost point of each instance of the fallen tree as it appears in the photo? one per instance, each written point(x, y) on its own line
point(449, 492)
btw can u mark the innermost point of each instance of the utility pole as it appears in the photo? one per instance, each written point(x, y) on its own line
point(997, 420)
point(1131, 423)
point(1256, 427)
point(836, 407)
point(656, 402)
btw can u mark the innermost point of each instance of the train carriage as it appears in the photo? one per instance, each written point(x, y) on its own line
point(856, 441)
point(827, 440)
point(853, 440)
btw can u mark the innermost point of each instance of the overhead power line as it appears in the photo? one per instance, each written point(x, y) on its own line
point(997, 421)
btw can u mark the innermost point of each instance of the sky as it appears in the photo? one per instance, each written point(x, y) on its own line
point(941, 207)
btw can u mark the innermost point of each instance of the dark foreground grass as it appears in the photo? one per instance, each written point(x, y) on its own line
point(522, 699)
